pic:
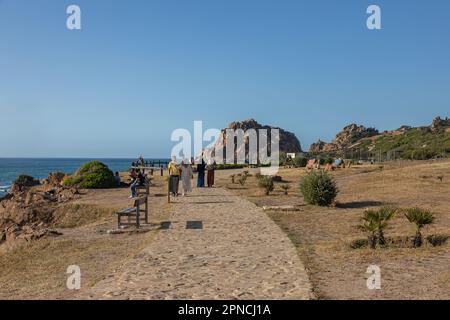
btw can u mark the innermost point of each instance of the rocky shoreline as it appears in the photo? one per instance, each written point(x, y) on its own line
point(26, 212)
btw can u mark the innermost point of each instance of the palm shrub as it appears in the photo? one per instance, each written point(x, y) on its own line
point(369, 225)
point(266, 182)
point(318, 188)
point(285, 188)
point(375, 222)
point(420, 217)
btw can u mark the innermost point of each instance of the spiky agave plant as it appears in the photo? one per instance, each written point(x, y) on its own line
point(420, 217)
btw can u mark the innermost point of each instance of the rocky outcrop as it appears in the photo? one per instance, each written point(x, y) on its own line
point(344, 139)
point(26, 213)
point(288, 140)
point(439, 123)
point(318, 146)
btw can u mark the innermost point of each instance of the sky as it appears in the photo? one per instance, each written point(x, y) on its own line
point(137, 70)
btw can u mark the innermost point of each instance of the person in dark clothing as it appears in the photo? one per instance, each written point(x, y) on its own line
point(139, 180)
point(201, 174)
point(117, 179)
point(210, 176)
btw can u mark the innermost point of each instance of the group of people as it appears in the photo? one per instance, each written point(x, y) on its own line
point(184, 173)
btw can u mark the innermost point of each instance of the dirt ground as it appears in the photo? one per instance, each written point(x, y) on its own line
point(38, 270)
point(323, 236)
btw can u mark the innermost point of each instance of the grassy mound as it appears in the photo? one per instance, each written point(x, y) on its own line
point(92, 175)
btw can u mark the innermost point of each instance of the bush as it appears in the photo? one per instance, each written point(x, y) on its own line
point(437, 239)
point(329, 160)
point(300, 162)
point(266, 182)
point(92, 175)
point(318, 188)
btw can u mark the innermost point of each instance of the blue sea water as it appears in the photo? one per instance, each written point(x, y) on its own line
point(11, 168)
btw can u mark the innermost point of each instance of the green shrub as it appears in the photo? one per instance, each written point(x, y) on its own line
point(437, 239)
point(329, 160)
point(266, 182)
point(300, 162)
point(318, 188)
point(92, 175)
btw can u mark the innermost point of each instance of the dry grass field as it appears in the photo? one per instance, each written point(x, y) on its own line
point(324, 236)
point(37, 270)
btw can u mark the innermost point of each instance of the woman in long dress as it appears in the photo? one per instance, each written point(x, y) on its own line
point(186, 176)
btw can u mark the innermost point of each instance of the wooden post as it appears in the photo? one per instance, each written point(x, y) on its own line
point(146, 208)
point(162, 170)
point(168, 191)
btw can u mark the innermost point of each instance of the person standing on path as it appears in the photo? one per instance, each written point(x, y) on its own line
point(210, 176)
point(174, 176)
point(186, 176)
point(201, 174)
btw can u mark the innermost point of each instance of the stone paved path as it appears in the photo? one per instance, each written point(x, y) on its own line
point(239, 254)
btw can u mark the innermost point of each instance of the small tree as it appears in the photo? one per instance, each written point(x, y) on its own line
point(285, 188)
point(420, 217)
point(266, 182)
point(318, 188)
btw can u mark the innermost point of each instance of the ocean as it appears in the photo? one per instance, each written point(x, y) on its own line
point(39, 168)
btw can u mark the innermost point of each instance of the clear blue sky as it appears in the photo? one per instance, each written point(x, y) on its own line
point(139, 69)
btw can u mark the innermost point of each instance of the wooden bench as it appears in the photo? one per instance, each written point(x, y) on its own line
point(143, 190)
point(134, 211)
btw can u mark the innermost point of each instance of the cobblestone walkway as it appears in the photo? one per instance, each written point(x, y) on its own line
point(239, 254)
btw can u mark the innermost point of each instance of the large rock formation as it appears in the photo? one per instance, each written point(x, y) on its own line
point(344, 139)
point(288, 140)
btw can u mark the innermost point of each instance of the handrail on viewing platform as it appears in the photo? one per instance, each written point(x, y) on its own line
point(150, 166)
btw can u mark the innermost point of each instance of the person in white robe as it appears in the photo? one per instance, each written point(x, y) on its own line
point(186, 176)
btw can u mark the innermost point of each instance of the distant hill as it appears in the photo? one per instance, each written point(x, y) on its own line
point(407, 142)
